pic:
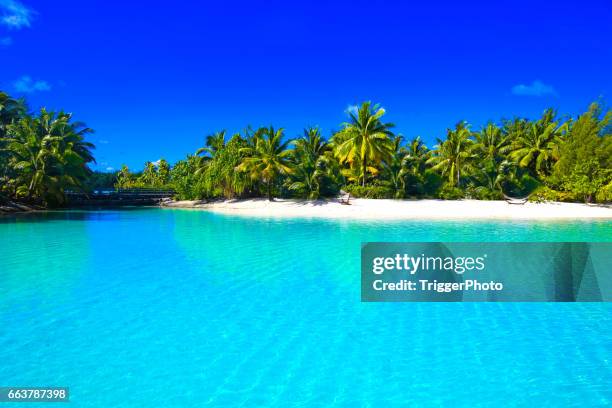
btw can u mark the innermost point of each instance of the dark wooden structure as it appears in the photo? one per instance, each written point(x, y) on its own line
point(117, 197)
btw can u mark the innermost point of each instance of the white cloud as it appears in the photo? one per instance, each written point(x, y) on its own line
point(14, 14)
point(102, 141)
point(110, 169)
point(25, 84)
point(536, 88)
point(156, 163)
point(5, 41)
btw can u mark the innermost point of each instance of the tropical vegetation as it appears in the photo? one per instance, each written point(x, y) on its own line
point(43, 154)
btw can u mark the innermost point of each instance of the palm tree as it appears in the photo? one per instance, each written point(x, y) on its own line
point(491, 143)
point(365, 139)
point(414, 165)
point(49, 153)
point(149, 174)
point(537, 147)
point(393, 168)
point(125, 178)
point(310, 146)
point(453, 156)
point(416, 157)
point(305, 182)
point(214, 143)
point(310, 164)
point(220, 176)
point(267, 158)
point(10, 110)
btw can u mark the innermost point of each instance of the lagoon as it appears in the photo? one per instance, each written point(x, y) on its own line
point(172, 307)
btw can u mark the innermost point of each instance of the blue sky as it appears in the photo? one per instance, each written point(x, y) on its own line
point(154, 78)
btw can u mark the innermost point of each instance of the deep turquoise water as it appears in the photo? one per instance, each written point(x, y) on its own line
point(177, 308)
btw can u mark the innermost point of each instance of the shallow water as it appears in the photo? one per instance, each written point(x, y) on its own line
point(180, 308)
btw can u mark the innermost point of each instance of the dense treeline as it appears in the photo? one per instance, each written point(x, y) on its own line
point(41, 154)
point(548, 159)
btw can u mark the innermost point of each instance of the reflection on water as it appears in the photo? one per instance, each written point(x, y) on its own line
point(41, 261)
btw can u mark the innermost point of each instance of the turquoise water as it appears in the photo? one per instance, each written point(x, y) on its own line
point(176, 308)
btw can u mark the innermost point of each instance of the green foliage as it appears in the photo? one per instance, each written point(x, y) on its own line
point(100, 181)
point(266, 159)
point(369, 191)
point(535, 146)
point(315, 170)
point(149, 175)
point(125, 179)
point(163, 173)
point(186, 181)
point(455, 155)
point(44, 154)
point(364, 158)
point(604, 194)
point(219, 175)
point(585, 163)
point(364, 140)
point(545, 193)
point(450, 192)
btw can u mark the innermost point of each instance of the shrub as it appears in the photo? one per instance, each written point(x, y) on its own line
point(482, 193)
point(544, 193)
point(604, 195)
point(369, 191)
point(450, 193)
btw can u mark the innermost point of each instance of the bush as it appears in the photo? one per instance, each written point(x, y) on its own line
point(450, 193)
point(482, 193)
point(604, 195)
point(369, 191)
point(544, 193)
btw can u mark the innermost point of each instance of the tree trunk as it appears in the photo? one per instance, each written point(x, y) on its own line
point(269, 190)
point(365, 169)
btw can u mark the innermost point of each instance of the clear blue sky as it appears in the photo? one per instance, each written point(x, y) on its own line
point(154, 78)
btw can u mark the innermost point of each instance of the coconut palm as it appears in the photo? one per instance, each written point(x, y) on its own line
point(365, 140)
point(537, 147)
point(214, 143)
point(49, 153)
point(311, 146)
point(491, 143)
point(310, 164)
point(306, 182)
point(392, 168)
point(416, 157)
point(267, 158)
point(454, 155)
point(414, 166)
point(11, 110)
point(221, 177)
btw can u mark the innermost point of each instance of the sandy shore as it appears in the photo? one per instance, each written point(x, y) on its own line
point(400, 209)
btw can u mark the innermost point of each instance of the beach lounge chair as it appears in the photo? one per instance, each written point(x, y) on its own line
point(517, 201)
point(344, 197)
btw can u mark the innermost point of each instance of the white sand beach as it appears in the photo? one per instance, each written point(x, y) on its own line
point(400, 209)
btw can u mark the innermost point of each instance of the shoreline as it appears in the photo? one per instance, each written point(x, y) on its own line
point(12, 207)
point(379, 209)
